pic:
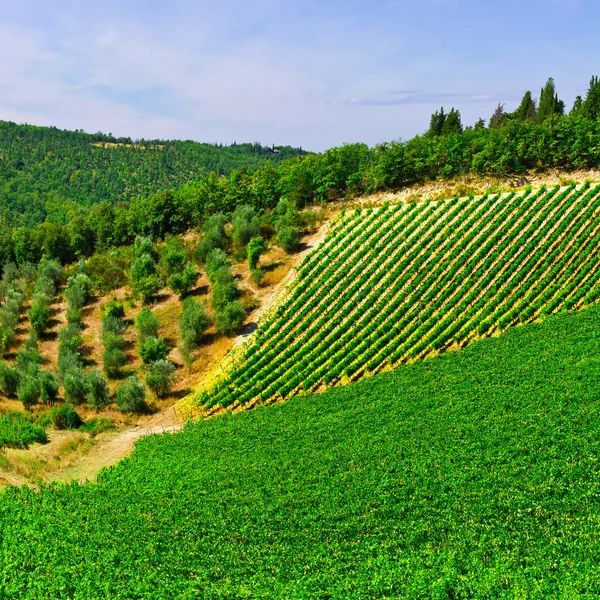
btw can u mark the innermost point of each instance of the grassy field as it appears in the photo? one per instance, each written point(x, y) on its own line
point(472, 475)
point(402, 283)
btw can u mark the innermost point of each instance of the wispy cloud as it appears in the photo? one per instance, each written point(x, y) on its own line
point(420, 97)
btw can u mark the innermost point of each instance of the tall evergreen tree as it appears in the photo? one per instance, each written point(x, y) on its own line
point(576, 110)
point(590, 107)
point(550, 105)
point(498, 117)
point(436, 124)
point(527, 109)
point(452, 124)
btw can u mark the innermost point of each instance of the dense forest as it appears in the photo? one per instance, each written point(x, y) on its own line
point(48, 173)
point(66, 200)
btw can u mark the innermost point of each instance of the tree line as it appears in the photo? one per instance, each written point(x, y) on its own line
point(537, 135)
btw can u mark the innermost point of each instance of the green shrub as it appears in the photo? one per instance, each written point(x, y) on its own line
point(131, 396)
point(288, 237)
point(245, 224)
point(113, 308)
point(193, 322)
point(182, 283)
point(160, 376)
point(97, 425)
point(74, 385)
point(48, 388)
point(256, 247)
point(29, 389)
point(257, 276)
point(78, 291)
point(17, 431)
point(114, 325)
point(69, 338)
point(230, 318)
point(9, 379)
point(39, 313)
point(153, 349)
point(65, 417)
point(147, 325)
point(113, 359)
point(97, 390)
point(68, 360)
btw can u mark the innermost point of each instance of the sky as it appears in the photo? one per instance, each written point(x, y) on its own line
point(307, 73)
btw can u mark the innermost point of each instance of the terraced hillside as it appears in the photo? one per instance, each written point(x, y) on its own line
point(401, 283)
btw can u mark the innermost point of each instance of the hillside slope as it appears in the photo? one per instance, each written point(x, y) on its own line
point(47, 172)
point(401, 283)
point(474, 474)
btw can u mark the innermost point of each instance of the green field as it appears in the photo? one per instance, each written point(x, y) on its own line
point(396, 284)
point(472, 475)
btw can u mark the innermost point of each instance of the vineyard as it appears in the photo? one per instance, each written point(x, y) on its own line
point(401, 283)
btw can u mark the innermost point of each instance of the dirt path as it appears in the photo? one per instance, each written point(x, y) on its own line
point(109, 451)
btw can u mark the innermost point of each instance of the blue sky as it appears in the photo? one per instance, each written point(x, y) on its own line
point(306, 73)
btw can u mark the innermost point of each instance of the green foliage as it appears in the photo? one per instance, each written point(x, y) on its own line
point(160, 376)
point(48, 388)
point(29, 389)
point(17, 431)
point(230, 318)
point(113, 308)
point(143, 277)
point(455, 472)
point(147, 325)
point(97, 390)
point(182, 283)
point(9, 380)
point(78, 291)
point(65, 417)
point(590, 107)
point(74, 386)
point(153, 349)
point(193, 322)
point(550, 105)
point(288, 237)
point(214, 237)
point(70, 338)
point(131, 396)
point(256, 247)
point(245, 224)
point(97, 425)
point(39, 313)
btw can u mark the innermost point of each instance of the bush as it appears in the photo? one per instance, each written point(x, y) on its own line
point(230, 319)
point(182, 283)
point(113, 359)
point(257, 276)
point(68, 360)
point(288, 237)
point(9, 380)
point(245, 224)
point(29, 389)
point(131, 396)
point(17, 431)
point(48, 388)
point(224, 289)
point(114, 325)
point(97, 390)
point(193, 322)
point(160, 377)
point(74, 384)
point(39, 313)
point(78, 291)
point(74, 316)
point(214, 236)
point(153, 349)
point(113, 308)
point(69, 338)
point(256, 247)
point(97, 425)
point(65, 417)
point(216, 261)
point(147, 325)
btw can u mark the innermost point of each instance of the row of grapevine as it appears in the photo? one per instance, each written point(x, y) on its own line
point(399, 283)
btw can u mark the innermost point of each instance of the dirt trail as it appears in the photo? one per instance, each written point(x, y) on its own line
point(109, 451)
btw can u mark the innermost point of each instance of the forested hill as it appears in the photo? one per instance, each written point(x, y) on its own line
point(45, 170)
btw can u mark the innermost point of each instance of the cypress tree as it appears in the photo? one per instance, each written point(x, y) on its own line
point(550, 105)
point(590, 107)
point(452, 124)
point(527, 109)
point(436, 123)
